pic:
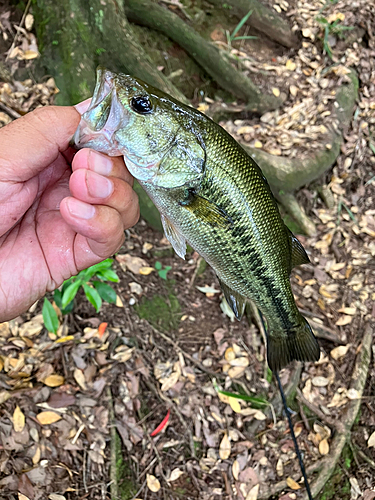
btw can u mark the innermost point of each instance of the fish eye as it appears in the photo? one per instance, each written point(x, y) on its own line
point(141, 104)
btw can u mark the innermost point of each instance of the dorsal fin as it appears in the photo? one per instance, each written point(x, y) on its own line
point(235, 300)
point(299, 255)
point(174, 237)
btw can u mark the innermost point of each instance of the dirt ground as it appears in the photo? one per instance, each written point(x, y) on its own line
point(78, 408)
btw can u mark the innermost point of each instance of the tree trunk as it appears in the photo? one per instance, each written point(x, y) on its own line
point(206, 54)
point(75, 36)
point(263, 19)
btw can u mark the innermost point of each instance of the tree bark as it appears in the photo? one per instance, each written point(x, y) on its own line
point(207, 55)
point(75, 36)
point(263, 19)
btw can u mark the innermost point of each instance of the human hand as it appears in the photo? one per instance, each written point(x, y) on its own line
point(54, 223)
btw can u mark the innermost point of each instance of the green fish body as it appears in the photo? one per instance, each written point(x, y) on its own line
point(211, 194)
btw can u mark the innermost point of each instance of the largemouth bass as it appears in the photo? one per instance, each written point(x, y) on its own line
point(211, 194)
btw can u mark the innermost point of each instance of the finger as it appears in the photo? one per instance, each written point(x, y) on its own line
point(102, 226)
point(82, 106)
point(40, 136)
point(102, 164)
point(96, 189)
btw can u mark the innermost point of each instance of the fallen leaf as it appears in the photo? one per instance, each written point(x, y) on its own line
point(292, 484)
point(276, 91)
point(344, 320)
point(253, 493)
point(324, 447)
point(236, 469)
point(80, 378)
point(131, 263)
point(36, 456)
point(56, 496)
point(175, 474)
point(153, 483)
point(54, 380)
point(258, 144)
point(18, 419)
point(29, 21)
point(290, 65)
point(48, 417)
point(235, 404)
point(225, 447)
point(320, 381)
point(371, 440)
point(146, 270)
point(340, 351)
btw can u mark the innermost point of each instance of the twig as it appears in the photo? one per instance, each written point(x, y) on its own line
point(140, 490)
point(323, 332)
point(18, 31)
point(324, 418)
point(363, 455)
point(195, 273)
point(113, 470)
point(11, 112)
point(358, 382)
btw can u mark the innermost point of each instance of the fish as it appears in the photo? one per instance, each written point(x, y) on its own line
point(211, 195)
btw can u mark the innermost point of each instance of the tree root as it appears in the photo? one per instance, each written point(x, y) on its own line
point(79, 35)
point(291, 205)
point(263, 19)
point(289, 174)
point(358, 382)
point(206, 54)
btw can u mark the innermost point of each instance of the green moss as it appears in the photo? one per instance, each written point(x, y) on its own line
point(339, 486)
point(125, 478)
point(163, 312)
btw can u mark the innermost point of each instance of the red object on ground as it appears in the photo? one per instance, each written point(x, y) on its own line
point(162, 424)
point(102, 329)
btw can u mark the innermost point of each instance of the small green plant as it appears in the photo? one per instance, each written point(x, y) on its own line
point(92, 281)
point(162, 271)
point(232, 37)
point(333, 28)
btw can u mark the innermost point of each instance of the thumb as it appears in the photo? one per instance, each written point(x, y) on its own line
point(32, 142)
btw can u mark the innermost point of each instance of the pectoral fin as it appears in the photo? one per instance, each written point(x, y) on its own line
point(299, 255)
point(235, 301)
point(207, 211)
point(174, 237)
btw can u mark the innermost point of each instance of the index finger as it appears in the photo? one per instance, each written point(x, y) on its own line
point(35, 140)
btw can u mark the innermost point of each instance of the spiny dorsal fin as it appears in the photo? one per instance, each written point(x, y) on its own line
point(174, 237)
point(207, 211)
point(299, 255)
point(235, 301)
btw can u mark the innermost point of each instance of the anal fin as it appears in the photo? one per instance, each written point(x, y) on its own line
point(175, 238)
point(235, 300)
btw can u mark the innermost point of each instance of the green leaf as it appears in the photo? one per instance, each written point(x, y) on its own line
point(244, 38)
point(93, 296)
point(57, 297)
point(51, 321)
point(244, 397)
point(158, 265)
point(88, 273)
point(240, 24)
point(163, 272)
point(105, 291)
point(70, 292)
point(108, 275)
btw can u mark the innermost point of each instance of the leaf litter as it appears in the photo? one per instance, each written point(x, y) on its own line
point(55, 419)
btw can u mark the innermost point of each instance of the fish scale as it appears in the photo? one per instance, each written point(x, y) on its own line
point(210, 194)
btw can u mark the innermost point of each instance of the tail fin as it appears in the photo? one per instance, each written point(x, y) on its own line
point(300, 345)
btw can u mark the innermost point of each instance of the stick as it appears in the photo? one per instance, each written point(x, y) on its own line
point(20, 26)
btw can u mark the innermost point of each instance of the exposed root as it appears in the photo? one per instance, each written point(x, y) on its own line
point(358, 383)
point(291, 205)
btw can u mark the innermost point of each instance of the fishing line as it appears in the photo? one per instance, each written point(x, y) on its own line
point(288, 415)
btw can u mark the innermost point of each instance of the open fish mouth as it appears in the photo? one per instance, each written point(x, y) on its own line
point(103, 118)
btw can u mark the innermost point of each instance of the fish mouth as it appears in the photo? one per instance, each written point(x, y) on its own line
point(103, 118)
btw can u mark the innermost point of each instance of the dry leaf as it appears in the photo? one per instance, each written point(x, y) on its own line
point(344, 320)
point(18, 419)
point(371, 441)
point(290, 65)
point(225, 447)
point(80, 378)
point(29, 21)
point(133, 264)
point(320, 381)
point(258, 144)
point(48, 417)
point(324, 447)
point(340, 351)
point(175, 474)
point(253, 493)
point(54, 380)
point(236, 469)
point(292, 484)
point(30, 54)
point(36, 456)
point(146, 270)
point(153, 483)
point(229, 354)
point(234, 404)
point(276, 91)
